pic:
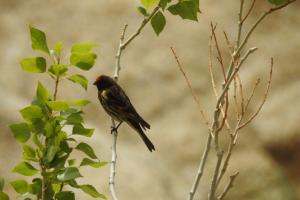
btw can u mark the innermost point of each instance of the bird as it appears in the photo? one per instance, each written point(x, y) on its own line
point(118, 106)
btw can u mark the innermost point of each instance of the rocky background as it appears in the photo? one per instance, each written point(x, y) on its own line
point(268, 151)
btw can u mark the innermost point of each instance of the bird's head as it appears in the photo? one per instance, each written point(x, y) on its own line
point(103, 82)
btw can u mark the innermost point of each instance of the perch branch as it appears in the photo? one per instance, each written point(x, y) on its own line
point(122, 46)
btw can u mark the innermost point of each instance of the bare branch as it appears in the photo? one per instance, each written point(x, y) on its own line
point(240, 24)
point(264, 99)
point(201, 168)
point(219, 57)
point(249, 11)
point(259, 20)
point(142, 25)
point(210, 67)
point(229, 185)
point(252, 94)
point(241, 93)
point(229, 45)
point(119, 53)
point(213, 187)
point(190, 86)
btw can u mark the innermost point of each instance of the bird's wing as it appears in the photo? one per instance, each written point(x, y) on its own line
point(119, 99)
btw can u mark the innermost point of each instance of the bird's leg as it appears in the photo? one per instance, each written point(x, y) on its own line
point(115, 129)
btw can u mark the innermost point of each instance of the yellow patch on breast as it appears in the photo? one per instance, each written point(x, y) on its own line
point(104, 94)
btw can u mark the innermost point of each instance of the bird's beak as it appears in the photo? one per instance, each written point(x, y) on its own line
point(95, 83)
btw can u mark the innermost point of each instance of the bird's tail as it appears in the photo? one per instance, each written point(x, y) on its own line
point(140, 131)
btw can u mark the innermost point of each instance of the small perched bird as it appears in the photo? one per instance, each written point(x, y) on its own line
point(116, 104)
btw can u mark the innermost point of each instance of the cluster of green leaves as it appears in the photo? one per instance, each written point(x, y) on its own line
point(46, 143)
point(186, 9)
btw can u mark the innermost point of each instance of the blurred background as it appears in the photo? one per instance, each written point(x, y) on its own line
point(268, 150)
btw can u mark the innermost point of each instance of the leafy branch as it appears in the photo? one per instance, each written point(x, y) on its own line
point(47, 144)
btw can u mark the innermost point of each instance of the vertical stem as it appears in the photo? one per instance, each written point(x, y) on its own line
point(56, 88)
point(201, 167)
point(122, 46)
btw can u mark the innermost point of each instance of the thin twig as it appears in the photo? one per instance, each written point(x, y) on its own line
point(253, 27)
point(240, 24)
point(190, 86)
point(229, 45)
point(241, 93)
point(264, 99)
point(224, 114)
point(249, 11)
point(210, 67)
point(231, 145)
point(219, 57)
point(252, 94)
point(236, 105)
point(138, 31)
point(229, 185)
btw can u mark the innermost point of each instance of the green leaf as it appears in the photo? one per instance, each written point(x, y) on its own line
point(21, 131)
point(51, 152)
point(71, 162)
point(49, 128)
point(91, 190)
point(29, 153)
point(65, 195)
point(37, 141)
point(87, 149)
point(82, 47)
point(80, 130)
point(163, 3)
point(58, 69)
point(186, 9)
point(58, 105)
point(143, 11)
point(75, 118)
point(58, 48)
point(95, 164)
point(3, 196)
point(82, 56)
point(36, 187)
point(68, 174)
point(158, 22)
point(38, 40)
point(149, 3)
point(84, 61)
point(25, 169)
point(42, 93)
point(81, 80)
point(1, 183)
point(278, 2)
point(81, 102)
point(31, 113)
point(35, 65)
point(20, 186)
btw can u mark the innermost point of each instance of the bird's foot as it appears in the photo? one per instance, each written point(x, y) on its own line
point(114, 129)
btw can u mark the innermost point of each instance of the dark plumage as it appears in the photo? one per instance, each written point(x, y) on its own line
point(116, 103)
